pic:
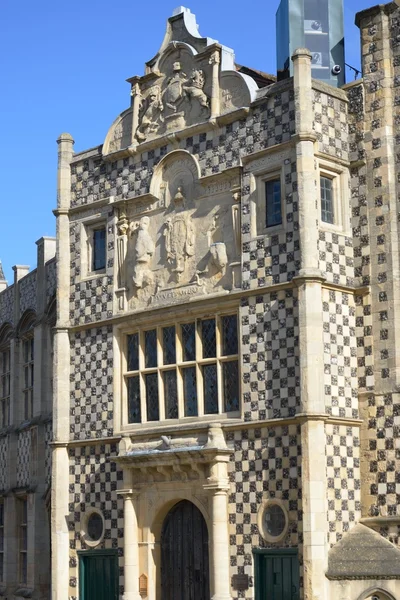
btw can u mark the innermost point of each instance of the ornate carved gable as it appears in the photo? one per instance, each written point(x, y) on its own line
point(190, 81)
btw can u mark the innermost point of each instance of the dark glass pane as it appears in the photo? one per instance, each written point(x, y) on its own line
point(1, 541)
point(153, 412)
point(150, 348)
point(189, 341)
point(326, 200)
point(170, 395)
point(208, 338)
point(95, 527)
point(169, 354)
point(231, 386)
point(134, 414)
point(1, 514)
point(133, 352)
point(273, 202)
point(99, 249)
point(210, 389)
point(190, 391)
point(229, 335)
point(275, 521)
point(26, 351)
point(24, 567)
point(24, 512)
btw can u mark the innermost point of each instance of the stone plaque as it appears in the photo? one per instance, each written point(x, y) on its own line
point(240, 582)
point(143, 584)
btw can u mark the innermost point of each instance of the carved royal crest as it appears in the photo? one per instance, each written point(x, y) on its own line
point(179, 237)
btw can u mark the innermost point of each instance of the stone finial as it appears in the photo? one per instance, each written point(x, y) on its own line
point(3, 282)
point(302, 52)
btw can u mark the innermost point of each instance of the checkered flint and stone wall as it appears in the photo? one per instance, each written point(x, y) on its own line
point(340, 354)
point(270, 355)
point(343, 479)
point(93, 482)
point(330, 124)
point(266, 464)
point(91, 384)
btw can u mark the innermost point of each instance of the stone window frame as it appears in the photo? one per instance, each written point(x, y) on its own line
point(2, 539)
point(339, 176)
point(28, 373)
point(84, 527)
point(87, 228)
point(121, 412)
point(261, 206)
point(5, 379)
point(23, 526)
point(272, 539)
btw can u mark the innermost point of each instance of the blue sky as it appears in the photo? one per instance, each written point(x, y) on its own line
point(63, 68)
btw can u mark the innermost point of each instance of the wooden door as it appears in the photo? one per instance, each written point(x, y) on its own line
point(277, 575)
point(184, 554)
point(98, 575)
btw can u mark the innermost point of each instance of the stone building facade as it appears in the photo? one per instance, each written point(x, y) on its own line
point(225, 383)
point(27, 316)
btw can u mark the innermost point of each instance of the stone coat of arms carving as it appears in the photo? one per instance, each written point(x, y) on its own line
point(179, 237)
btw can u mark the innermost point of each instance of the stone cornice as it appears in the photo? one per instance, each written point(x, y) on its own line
point(213, 302)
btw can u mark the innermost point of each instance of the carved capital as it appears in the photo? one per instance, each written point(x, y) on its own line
point(215, 58)
point(135, 90)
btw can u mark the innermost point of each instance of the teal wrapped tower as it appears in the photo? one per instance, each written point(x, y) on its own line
point(317, 25)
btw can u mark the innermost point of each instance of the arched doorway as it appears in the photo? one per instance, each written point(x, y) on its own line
point(184, 554)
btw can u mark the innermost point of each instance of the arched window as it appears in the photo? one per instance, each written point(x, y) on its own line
point(26, 335)
point(5, 375)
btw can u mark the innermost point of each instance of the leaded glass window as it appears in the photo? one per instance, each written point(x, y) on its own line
point(23, 539)
point(1, 539)
point(27, 376)
point(99, 249)
point(181, 370)
point(4, 386)
point(327, 212)
point(273, 203)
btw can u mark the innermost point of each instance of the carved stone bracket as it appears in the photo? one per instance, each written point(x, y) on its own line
point(155, 464)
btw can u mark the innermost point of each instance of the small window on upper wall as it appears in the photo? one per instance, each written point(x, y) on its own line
point(99, 249)
point(273, 203)
point(327, 200)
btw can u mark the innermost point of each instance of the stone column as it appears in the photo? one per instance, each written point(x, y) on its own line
point(220, 546)
point(61, 369)
point(135, 93)
point(309, 282)
point(218, 485)
point(215, 60)
point(131, 545)
point(122, 244)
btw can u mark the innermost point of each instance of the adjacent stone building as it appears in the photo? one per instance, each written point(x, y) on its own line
point(27, 318)
point(225, 391)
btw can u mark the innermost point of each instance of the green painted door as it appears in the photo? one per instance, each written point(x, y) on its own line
point(98, 575)
point(277, 575)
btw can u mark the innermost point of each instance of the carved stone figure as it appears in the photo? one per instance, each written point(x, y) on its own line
point(173, 93)
point(144, 250)
point(179, 236)
point(152, 114)
point(219, 257)
point(194, 89)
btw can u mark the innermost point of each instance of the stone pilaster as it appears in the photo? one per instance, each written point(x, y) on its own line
point(218, 486)
point(131, 540)
point(60, 463)
point(309, 284)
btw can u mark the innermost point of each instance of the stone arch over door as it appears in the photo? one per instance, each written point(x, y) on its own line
point(184, 557)
point(375, 593)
